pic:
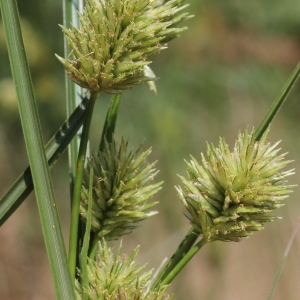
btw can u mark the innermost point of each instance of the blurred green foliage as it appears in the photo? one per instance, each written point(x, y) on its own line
point(218, 78)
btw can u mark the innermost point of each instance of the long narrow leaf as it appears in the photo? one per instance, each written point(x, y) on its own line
point(23, 186)
point(36, 154)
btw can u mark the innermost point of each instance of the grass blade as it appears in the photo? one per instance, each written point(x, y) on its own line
point(23, 186)
point(36, 154)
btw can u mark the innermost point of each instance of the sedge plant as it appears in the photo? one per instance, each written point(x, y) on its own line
point(227, 194)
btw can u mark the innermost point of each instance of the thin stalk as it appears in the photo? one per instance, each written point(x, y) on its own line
point(77, 187)
point(110, 121)
point(277, 103)
point(182, 263)
point(23, 186)
point(107, 135)
point(73, 91)
point(36, 152)
point(180, 252)
point(93, 246)
point(86, 240)
point(285, 255)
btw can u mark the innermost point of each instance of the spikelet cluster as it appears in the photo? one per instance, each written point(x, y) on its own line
point(119, 277)
point(123, 184)
point(232, 194)
point(116, 38)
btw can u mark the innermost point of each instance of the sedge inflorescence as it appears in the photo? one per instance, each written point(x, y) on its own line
point(231, 194)
point(123, 184)
point(116, 38)
point(117, 276)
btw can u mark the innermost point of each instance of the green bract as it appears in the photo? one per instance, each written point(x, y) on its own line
point(122, 187)
point(232, 193)
point(116, 37)
point(119, 277)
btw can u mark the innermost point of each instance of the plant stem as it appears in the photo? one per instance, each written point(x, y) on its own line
point(180, 252)
point(277, 103)
point(282, 262)
point(107, 135)
point(110, 121)
point(73, 91)
point(77, 187)
point(181, 264)
point(86, 240)
point(93, 246)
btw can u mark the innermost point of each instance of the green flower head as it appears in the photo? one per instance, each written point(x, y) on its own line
point(123, 184)
point(233, 193)
point(116, 38)
point(116, 276)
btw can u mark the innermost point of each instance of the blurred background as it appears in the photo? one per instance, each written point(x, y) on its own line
point(219, 77)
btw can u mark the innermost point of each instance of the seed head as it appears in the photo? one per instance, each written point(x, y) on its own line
point(233, 193)
point(118, 277)
point(116, 39)
point(122, 188)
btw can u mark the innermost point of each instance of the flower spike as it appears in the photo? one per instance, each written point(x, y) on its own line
point(122, 188)
point(232, 194)
point(116, 38)
point(116, 276)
